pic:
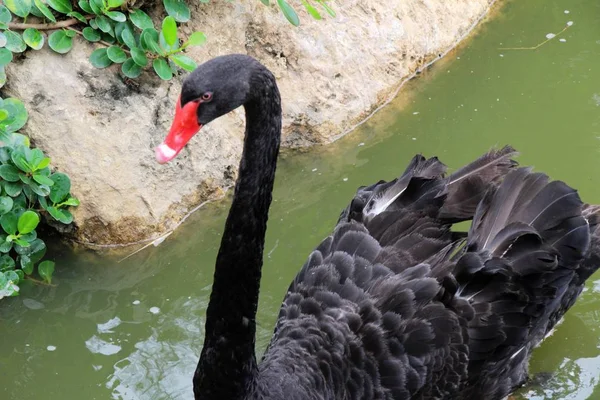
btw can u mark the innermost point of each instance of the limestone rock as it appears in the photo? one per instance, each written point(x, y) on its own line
point(101, 128)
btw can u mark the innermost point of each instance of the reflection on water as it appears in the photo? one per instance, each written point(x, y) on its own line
point(133, 330)
point(162, 364)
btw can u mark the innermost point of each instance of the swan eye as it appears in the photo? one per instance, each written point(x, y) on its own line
point(207, 96)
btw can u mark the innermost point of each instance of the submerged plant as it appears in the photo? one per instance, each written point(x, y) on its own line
point(27, 188)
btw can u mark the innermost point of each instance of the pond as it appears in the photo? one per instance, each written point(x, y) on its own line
point(133, 329)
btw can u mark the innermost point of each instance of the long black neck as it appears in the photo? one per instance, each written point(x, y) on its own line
point(227, 366)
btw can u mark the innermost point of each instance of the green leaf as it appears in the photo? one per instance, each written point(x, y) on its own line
point(71, 201)
point(63, 215)
point(62, 6)
point(29, 237)
point(91, 34)
point(17, 115)
point(327, 8)
point(116, 54)
point(5, 245)
point(99, 58)
point(3, 113)
point(60, 42)
point(46, 269)
point(169, 30)
point(5, 15)
point(139, 57)
point(128, 38)
point(6, 261)
point(44, 10)
point(14, 42)
point(18, 158)
point(115, 16)
point(67, 217)
point(28, 221)
point(40, 190)
point(9, 222)
point(104, 24)
point(78, 16)
point(70, 33)
point(43, 202)
point(289, 12)
point(44, 162)
point(196, 39)
point(25, 179)
point(9, 173)
point(33, 38)
point(4, 154)
point(22, 242)
point(26, 264)
point(19, 7)
point(177, 9)
point(35, 11)
point(311, 10)
point(61, 188)
point(108, 38)
point(93, 23)
point(85, 6)
point(119, 28)
point(130, 69)
point(162, 68)
point(6, 204)
point(42, 180)
point(7, 287)
point(21, 274)
point(167, 47)
point(149, 41)
point(12, 275)
point(141, 19)
point(35, 251)
point(13, 189)
point(5, 137)
point(97, 6)
point(115, 3)
point(184, 62)
point(34, 157)
point(3, 39)
point(5, 56)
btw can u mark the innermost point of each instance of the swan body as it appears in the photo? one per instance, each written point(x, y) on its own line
point(394, 304)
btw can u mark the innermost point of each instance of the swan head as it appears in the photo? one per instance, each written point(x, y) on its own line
point(213, 89)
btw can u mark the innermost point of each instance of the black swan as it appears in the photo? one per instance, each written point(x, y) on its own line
point(394, 304)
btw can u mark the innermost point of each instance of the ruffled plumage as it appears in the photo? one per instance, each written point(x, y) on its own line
point(395, 305)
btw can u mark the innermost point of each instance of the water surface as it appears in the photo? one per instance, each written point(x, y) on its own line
point(133, 330)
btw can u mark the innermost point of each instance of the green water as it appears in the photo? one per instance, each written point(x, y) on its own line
point(544, 102)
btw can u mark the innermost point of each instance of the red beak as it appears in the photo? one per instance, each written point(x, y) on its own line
point(185, 125)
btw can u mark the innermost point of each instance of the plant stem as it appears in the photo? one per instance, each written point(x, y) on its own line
point(100, 41)
point(539, 45)
point(36, 281)
point(58, 25)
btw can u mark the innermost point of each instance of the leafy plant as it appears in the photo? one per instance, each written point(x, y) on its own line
point(26, 184)
point(124, 36)
point(291, 15)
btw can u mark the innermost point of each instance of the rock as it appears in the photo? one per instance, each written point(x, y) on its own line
point(101, 128)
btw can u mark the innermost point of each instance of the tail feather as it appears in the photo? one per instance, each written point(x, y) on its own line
point(528, 204)
point(467, 185)
point(384, 196)
point(525, 248)
point(462, 190)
